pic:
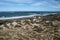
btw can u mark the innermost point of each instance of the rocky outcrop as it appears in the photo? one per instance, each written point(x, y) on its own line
point(35, 28)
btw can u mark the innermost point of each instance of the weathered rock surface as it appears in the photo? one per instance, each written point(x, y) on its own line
point(35, 28)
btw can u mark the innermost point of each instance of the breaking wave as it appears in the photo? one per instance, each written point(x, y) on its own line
point(17, 17)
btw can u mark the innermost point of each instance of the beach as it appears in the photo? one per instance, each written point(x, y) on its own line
point(31, 28)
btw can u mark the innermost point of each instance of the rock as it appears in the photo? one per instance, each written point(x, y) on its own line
point(47, 21)
point(39, 17)
point(54, 23)
point(37, 29)
point(32, 29)
point(8, 24)
point(34, 19)
point(17, 26)
point(14, 23)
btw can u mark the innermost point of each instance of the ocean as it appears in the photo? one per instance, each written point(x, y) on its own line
point(15, 15)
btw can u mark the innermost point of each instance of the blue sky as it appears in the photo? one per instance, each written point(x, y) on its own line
point(29, 5)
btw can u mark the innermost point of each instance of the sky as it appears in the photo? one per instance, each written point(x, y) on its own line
point(29, 5)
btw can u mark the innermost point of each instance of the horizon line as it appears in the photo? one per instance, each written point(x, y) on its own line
point(29, 11)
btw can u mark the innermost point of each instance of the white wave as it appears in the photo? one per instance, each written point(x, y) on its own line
point(16, 17)
point(47, 14)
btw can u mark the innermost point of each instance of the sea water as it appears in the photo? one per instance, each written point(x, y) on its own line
point(15, 15)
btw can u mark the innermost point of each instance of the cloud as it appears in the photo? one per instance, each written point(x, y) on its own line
point(20, 1)
point(54, 2)
point(39, 3)
point(1, 3)
point(30, 4)
point(9, 4)
point(46, 3)
point(56, 6)
point(4, 3)
point(16, 2)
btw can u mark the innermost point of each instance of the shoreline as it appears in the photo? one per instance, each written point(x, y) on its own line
point(34, 28)
point(28, 16)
